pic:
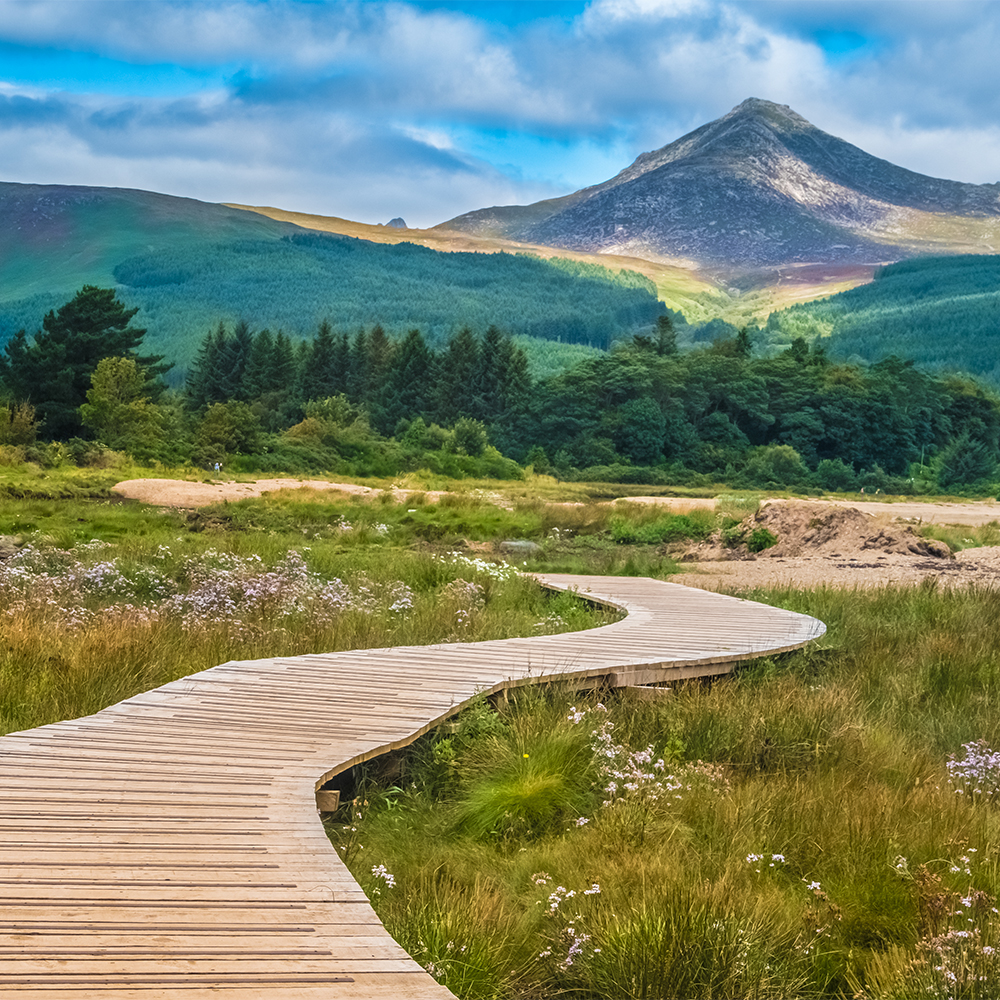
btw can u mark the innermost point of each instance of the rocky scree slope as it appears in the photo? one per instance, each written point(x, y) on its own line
point(758, 187)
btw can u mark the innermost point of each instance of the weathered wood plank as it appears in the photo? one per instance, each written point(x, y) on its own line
point(170, 846)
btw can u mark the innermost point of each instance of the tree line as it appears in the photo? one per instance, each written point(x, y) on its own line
point(394, 380)
point(369, 403)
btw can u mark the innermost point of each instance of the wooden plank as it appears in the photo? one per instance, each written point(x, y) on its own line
point(170, 846)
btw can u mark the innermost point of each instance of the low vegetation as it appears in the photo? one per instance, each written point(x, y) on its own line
point(823, 825)
point(101, 600)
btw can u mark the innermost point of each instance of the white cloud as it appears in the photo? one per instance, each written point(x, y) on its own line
point(349, 108)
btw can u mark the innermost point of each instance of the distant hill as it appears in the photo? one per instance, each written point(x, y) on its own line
point(758, 188)
point(942, 312)
point(189, 265)
point(56, 237)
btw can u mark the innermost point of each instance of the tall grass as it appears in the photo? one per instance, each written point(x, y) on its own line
point(106, 600)
point(963, 536)
point(804, 836)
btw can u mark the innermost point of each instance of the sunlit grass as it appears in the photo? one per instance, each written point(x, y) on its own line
point(105, 600)
point(804, 856)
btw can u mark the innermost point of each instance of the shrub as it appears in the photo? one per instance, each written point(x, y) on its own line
point(836, 475)
point(776, 464)
point(760, 539)
point(665, 528)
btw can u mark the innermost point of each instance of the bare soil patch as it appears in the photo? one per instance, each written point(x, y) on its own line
point(831, 542)
point(970, 512)
point(836, 545)
point(182, 493)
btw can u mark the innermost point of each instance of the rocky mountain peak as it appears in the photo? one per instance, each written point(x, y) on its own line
point(767, 110)
point(760, 186)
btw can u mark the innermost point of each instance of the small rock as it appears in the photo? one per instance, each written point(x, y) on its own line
point(520, 547)
point(9, 544)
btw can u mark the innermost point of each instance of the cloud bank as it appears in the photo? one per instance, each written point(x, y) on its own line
point(370, 110)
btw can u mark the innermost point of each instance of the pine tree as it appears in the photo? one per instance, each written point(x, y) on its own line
point(258, 377)
point(204, 377)
point(342, 363)
point(234, 360)
point(303, 351)
point(53, 373)
point(456, 368)
point(380, 351)
point(357, 385)
point(408, 383)
point(489, 377)
point(283, 377)
point(320, 379)
point(666, 336)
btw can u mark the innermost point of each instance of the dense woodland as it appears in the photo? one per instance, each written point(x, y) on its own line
point(942, 312)
point(371, 404)
point(293, 283)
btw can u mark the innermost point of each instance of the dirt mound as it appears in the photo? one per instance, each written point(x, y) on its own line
point(811, 529)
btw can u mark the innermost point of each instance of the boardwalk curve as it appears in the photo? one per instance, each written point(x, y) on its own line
point(169, 846)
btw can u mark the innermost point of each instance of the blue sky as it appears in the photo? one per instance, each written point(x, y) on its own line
point(425, 109)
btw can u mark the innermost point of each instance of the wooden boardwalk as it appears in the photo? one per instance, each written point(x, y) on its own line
point(170, 847)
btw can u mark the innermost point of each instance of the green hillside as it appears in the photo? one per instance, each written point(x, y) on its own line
point(943, 312)
point(56, 238)
point(188, 265)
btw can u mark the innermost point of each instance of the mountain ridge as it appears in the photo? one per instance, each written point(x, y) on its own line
point(759, 187)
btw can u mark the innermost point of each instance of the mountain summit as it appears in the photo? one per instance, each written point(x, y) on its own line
point(758, 187)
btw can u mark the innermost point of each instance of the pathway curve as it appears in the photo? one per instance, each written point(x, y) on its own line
point(169, 846)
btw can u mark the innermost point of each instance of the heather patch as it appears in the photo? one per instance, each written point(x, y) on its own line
point(822, 825)
point(86, 624)
point(208, 590)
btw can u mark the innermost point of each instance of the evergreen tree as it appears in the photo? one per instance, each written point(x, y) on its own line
point(357, 385)
point(234, 360)
point(204, 378)
point(302, 350)
point(666, 336)
point(321, 378)
point(380, 352)
point(487, 381)
point(506, 429)
point(279, 405)
point(378, 395)
point(258, 376)
point(408, 383)
point(456, 369)
point(342, 363)
point(500, 378)
point(53, 373)
point(283, 374)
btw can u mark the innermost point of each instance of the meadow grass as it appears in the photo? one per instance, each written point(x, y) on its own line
point(106, 599)
point(963, 536)
point(792, 831)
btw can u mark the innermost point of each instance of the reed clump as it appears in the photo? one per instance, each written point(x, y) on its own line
point(820, 825)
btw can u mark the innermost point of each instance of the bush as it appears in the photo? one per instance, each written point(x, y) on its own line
point(760, 539)
point(776, 465)
point(664, 528)
point(469, 437)
point(836, 475)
